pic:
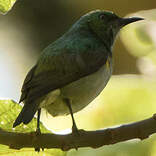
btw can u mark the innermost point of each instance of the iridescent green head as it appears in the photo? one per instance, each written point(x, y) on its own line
point(104, 24)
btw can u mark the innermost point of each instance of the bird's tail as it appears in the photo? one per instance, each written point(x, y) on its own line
point(25, 115)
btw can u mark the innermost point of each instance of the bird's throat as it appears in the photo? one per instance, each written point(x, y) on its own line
point(106, 39)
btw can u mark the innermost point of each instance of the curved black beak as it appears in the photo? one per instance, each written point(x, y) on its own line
point(125, 21)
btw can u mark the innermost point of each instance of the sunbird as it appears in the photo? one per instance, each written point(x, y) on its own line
point(73, 70)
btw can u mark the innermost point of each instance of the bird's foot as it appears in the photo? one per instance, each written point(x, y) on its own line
point(37, 149)
point(77, 133)
point(38, 132)
point(75, 130)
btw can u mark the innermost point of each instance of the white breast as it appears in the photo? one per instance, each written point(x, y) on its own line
point(85, 90)
point(80, 92)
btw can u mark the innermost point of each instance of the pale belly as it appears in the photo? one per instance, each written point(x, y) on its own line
point(80, 93)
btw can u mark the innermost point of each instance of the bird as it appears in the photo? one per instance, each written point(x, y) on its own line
point(73, 70)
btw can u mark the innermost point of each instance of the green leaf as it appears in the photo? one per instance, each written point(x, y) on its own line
point(8, 113)
point(6, 5)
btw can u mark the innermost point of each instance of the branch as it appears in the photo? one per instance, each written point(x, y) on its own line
point(141, 130)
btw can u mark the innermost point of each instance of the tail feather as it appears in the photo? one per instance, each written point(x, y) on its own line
point(25, 116)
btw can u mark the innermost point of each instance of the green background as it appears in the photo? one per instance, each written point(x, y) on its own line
point(130, 94)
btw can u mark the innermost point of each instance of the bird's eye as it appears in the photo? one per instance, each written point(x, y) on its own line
point(102, 16)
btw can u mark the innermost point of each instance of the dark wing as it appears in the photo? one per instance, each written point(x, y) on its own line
point(26, 81)
point(54, 72)
point(66, 69)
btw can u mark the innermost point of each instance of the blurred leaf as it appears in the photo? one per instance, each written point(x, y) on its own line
point(5, 151)
point(6, 5)
point(140, 37)
point(8, 113)
point(136, 39)
point(147, 14)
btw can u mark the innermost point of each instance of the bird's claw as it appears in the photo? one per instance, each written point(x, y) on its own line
point(75, 131)
point(38, 132)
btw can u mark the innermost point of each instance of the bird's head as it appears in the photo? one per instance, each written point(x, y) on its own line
point(105, 24)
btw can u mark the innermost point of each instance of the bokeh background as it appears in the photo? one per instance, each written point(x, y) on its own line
point(130, 94)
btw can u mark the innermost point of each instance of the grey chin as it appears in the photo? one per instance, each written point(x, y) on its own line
point(125, 21)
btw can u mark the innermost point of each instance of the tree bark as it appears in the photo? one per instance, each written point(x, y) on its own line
point(141, 130)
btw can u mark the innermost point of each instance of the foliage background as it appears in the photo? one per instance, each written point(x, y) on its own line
point(130, 94)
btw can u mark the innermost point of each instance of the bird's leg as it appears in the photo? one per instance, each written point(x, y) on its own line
point(74, 127)
point(38, 131)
